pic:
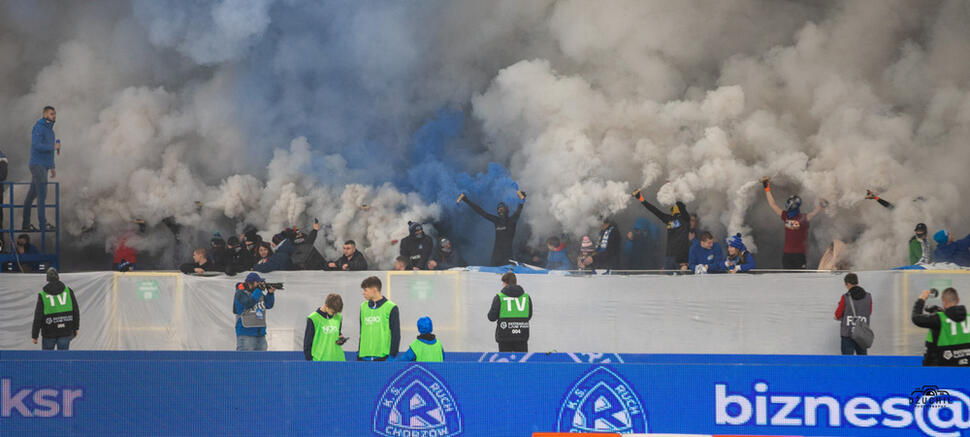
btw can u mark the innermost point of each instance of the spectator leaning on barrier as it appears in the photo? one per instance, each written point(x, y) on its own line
point(678, 232)
point(635, 246)
point(607, 254)
point(426, 348)
point(417, 247)
point(861, 301)
point(920, 248)
point(512, 310)
point(240, 259)
point(253, 297)
point(323, 337)
point(557, 258)
point(43, 145)
point(200, 263)
point(280, 259)
point(352, 259)
point(949, 250)
point(218, 255)
point(380, 324)
point(445, 257)
point(738, 259)
point(401, 263)
point(796, 227)
point(706, 255)
point(586, 250)
point(948, 342)
point(56, 315)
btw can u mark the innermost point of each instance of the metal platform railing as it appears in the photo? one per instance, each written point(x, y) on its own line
point(8, 208)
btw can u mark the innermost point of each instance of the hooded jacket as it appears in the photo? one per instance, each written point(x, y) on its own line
point(502, 251)
point(933, 354)
point(305, 256)
point(713, 257)
point(42, 144)
point(506, 334)
point(862, 301)
point(678, 229)
point(957, 252)
point(607, 255)
point(417, 250)
point(557, 259)
point(55, 325)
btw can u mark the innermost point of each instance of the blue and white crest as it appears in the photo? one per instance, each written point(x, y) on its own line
point(415, 403)
point(602, 401)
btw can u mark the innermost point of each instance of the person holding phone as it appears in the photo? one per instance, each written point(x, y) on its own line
point(323, 337)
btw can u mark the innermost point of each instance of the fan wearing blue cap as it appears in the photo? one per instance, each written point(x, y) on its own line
point(426, 348)
point(253, 297)
point(949, 250)
point(796, 226)
point(738, 259)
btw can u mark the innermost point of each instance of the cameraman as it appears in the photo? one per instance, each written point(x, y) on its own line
point(252, 299)
point(948, 342)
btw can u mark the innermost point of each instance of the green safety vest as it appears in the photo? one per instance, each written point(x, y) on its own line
point(428, 352)
point(326, 333)
point(951, 332)
point(57, 303)
point(514, 307)
point(375, 330)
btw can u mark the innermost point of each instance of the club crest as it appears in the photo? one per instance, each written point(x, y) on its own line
point(602, 401)
point(416, 402)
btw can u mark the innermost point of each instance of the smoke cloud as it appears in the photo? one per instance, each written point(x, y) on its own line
point(367, 115)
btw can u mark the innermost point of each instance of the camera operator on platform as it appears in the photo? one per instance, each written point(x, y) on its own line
point(253, 297)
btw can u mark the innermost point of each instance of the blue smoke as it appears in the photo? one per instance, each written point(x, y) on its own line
point(438, 178)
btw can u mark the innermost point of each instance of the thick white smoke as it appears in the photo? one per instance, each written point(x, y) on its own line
point(275, 112)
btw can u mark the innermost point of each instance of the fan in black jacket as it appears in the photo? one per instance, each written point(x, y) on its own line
point(505, 225)
point(417, 247)
point(678, 230)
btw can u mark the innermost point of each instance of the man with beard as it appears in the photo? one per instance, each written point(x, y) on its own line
point(505, 225)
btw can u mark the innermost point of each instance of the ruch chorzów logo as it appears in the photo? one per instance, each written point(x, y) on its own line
point(417, 403)
point(602, 401)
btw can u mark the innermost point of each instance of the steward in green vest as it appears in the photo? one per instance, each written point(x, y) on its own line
point(323, 337)
point(512, 310)
point(380, 324)
point(426, 348)
point(948, 342)
point(56, 314)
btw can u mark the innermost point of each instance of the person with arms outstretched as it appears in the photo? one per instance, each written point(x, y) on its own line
point(796, 226)
point(504, 227)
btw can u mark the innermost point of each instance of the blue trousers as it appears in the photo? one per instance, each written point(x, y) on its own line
point(38, 190)
point(62, 343)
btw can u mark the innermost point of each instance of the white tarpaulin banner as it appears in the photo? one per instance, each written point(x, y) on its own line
point(789, 313)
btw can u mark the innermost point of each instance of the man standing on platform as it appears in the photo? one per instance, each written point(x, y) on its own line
point(43, 145)
point(380, 324)
point(512, 309)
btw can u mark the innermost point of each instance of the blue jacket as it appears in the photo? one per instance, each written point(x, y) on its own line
point(280, 260)
point(557, 259)
point(242, 302)
point(957, 252)
point(745, 260)
point(42, 144)
point(410, 356)
point(713, 257)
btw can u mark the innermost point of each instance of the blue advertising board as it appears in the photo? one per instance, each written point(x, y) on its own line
point(50, 396)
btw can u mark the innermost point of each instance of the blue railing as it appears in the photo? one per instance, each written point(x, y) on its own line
point(7, 228)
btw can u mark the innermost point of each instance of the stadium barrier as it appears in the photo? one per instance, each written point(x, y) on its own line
point(52, 393)
point(789, 313)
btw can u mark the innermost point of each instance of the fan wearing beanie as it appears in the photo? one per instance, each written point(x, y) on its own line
point(426, 348)
point(949, 250)
point(738, 259)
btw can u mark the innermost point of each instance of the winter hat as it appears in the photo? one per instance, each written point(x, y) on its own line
point(501, 205)
point(442, 245)
point(921, 228)
point(253, 277)
point(736, 242)
point(424, 325)
point(587, 244)
point(941, 237)
point(414, 226)
point(233, 240)
point(793, 206)
point(52, 275)
point(217, 240)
